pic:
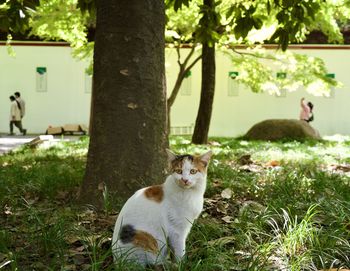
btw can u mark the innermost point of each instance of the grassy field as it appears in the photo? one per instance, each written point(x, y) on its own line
point(268, 206)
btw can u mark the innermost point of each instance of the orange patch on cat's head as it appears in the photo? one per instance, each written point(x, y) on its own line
point(176, 164)
point(145, 241)
point(155, 193)
point(201, 162)
point(200, 165)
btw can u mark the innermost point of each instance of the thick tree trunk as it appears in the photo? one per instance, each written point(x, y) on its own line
point(201, 129)
point(128, 136)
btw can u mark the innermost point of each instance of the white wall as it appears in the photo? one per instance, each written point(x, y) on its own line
point(66, 100)
point(233, 116)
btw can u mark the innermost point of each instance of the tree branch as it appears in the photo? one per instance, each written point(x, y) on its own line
point(181, 75)
point(242, 54)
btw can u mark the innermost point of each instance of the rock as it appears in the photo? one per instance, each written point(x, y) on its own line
point(40, 139)
point(277, 129)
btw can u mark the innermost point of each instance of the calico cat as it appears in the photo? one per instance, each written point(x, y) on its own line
point(156, 220)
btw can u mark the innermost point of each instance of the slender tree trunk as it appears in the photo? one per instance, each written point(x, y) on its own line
point(184, 68)
point(128, 135)
point(201, 129)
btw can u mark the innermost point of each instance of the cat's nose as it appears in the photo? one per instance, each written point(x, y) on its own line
point(185, 181)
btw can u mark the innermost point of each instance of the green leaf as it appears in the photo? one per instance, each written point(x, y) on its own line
point(230, 12)
point(258, 23)
point(268, 7)
point(178, 4)
point(251, 10)
point(244, 25)
point(277, 34)
point(312, 9)
point(288, 3)
point(282, 17)
point(298, 12)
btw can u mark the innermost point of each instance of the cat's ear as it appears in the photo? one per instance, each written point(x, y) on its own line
point(171, 155)
point(206, 157)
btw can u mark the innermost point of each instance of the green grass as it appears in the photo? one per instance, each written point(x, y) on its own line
point(289, 210)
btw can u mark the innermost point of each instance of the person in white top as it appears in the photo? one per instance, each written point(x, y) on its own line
point(15, 116)
point(22, 103)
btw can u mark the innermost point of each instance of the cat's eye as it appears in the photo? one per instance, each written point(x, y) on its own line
point(193, 171)
point(178, 171)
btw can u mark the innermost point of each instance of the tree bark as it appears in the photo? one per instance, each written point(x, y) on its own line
point(91, 105)
point(128, 135)
point(184, 68)
point(201, 129)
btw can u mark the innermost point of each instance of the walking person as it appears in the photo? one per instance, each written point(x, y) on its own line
point(21, 102)
point(15, 116)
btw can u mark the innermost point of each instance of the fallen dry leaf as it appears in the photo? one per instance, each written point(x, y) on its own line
point(226, 193)
point(124, 72)
point(222, 241)
point(273, 163)
point(132, 105)
point(7, 210)
point(204, 214)
point(107, 222)
point(222, 207)
point(210, 201)
point(217, 183)
point(79, 249)
point(227, 219)
point(251, 168)
point(101, 186)
point(73, 240)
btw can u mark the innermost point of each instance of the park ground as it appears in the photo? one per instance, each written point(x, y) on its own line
point(268, 206)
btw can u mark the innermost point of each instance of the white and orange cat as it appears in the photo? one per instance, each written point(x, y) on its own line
point(158, 218)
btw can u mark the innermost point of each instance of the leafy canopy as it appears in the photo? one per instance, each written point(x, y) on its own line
point(60, 20)
point(252, 23)
point(228, 23)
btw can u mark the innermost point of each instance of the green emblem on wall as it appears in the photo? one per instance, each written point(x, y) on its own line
point(188, 74)
point(233, 75)
point(41, 70)
point(330, 75)
point(41, 79)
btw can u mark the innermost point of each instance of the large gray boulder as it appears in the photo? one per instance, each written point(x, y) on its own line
point(277, 129)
